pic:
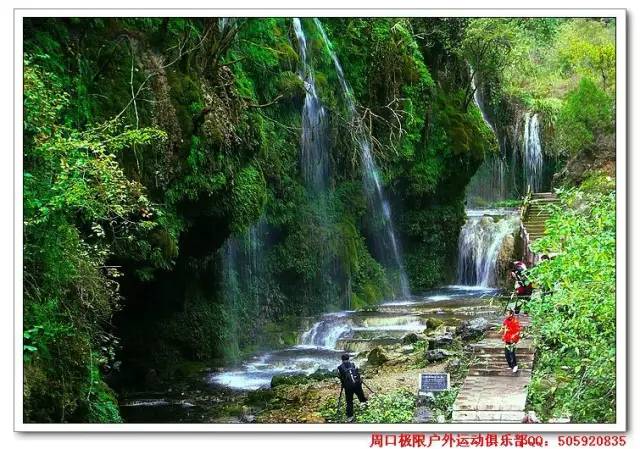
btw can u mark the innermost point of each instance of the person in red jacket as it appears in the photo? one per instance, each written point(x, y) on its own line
point(510, 337)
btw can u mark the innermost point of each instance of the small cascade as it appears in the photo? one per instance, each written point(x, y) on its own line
point(479, 245)
point(326, 332)
point(533, 160)
point(386, 239)
point(333, 334)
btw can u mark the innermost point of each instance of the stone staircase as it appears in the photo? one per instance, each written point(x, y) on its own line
point(534, 215)
point(491, 392)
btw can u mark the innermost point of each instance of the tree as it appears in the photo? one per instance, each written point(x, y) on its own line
point(486, 47)
point(585, 118)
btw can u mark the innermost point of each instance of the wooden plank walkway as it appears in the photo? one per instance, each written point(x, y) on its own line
point(491, 392)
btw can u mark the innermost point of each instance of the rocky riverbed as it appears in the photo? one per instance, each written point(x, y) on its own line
point(392, 343)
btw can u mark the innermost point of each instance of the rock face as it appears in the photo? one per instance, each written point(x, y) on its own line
point(435, 355)
point(442, 341)
point(377, 357)
point(294, 379)
point(433, 323)
point(473, 329)
point(423, 415)
point(409, 339)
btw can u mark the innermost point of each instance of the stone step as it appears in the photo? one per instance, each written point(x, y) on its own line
point(498, 372)
point(488, 359)
point(499, 349)
point(487, 416)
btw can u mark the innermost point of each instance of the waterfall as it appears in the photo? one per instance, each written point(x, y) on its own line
point(490, 182)
point(314, 154)
point(379, 205)
point(243, 265)
point(532, 152)
point(479, 101)
point(326, 332)
point(314, 164)
point(479, 245)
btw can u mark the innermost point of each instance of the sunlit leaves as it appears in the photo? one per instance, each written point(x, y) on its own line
point(575, 321)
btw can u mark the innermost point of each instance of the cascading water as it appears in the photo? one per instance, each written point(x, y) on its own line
point(532, 152)
point(314, 164)
point(479, 245)
point(479, 101)
point(243, 264)
point(387, 241)
point(333, 334)
point(483, 234)
point(314, 154)
point(326, 332)
point(490, 183)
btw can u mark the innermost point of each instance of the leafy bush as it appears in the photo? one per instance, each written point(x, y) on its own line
point(80, 209)
point(390, 408)
point(574, 324)
point(586, 116)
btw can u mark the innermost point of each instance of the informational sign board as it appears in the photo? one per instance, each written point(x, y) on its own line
point(431, 382)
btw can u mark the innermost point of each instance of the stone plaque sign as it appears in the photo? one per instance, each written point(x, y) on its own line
point(433, 382)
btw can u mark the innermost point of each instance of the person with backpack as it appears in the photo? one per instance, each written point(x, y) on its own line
point(523, 285)
point(351, 383)
point(510, 337)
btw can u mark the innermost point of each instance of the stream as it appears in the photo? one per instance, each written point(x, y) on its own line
point(206, 398)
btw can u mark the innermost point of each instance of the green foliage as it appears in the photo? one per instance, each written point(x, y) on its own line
point(396, 407)
point(575, 322)
point(587, 115)
point(248, 197)
point(392, 408)
point(486, 46)
point(80, 209)
point(443, 405)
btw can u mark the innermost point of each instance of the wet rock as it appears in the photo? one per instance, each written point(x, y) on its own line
point(377, 357)
point(433, 323)
point(322, 374)
point(435, 355)
point(426, 399)
point(423, 415)
point(454, 365)
point(473, 329)
point(410, 339)
point(443, 340)
point(407, 349)
point(248, 419)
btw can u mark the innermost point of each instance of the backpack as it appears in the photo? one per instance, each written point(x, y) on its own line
point(351, 375)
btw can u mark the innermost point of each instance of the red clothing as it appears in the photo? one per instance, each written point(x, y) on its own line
point(512, 326)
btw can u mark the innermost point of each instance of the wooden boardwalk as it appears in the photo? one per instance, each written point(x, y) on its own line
point(492, 393)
